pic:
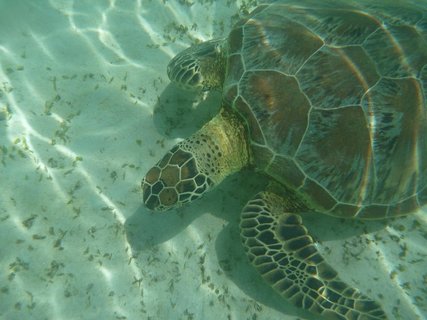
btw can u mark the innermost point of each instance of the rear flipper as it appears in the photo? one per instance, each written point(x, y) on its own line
point(280, 248)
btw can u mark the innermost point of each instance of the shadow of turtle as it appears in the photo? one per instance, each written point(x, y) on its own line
point(146, 229)
point(179, 113)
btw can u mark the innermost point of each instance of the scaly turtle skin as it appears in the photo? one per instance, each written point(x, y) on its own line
point(328, 98)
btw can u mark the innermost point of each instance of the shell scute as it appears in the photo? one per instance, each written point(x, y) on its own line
point(336, 99)
point(295, 177)
point(266, 46)
point(281, 114)
point(336, 77)
point(398, 51)
point(332, 155)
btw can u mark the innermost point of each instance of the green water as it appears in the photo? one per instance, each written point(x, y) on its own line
point(85, 111)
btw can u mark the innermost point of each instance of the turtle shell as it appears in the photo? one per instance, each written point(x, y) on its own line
point(334, 98)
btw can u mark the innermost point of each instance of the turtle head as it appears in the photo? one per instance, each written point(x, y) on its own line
point(197, 164)
point(174, 180)
point(201, 66)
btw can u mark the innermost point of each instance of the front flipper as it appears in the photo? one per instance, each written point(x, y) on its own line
point(280, 248)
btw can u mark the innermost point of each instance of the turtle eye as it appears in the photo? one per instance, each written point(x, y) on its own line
point(195, 80)
point(185, 71)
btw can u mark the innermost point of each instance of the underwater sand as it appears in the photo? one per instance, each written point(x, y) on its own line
point(85, 110)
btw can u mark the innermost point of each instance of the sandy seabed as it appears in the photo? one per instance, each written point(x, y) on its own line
point(85, 110)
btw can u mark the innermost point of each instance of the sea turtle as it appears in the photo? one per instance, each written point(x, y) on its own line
point(328, 99)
